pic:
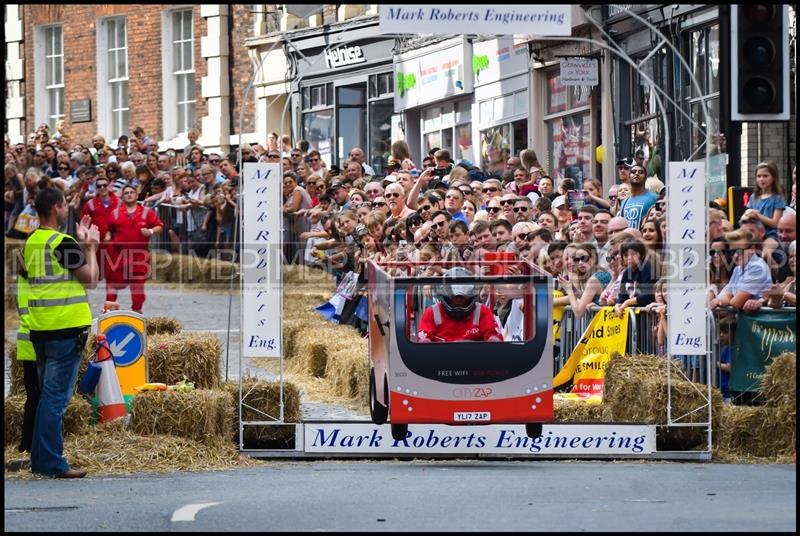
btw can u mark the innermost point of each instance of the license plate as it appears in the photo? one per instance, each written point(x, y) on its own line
point(461, 416)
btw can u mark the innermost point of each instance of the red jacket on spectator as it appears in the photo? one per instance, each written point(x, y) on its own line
point(100, 214)
point(128, 255)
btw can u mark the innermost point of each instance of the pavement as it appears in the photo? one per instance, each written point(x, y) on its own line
point(205, 310)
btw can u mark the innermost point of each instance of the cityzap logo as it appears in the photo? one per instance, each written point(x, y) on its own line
point(468, 392)
point(339, 57)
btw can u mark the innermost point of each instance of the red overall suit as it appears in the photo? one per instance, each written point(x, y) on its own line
point(437, 326)
point(128, 255)
point(100, 216)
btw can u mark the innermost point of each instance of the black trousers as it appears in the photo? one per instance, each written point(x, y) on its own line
point(32, 391)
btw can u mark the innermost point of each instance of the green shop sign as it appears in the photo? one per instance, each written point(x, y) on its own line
point(479, 63)
point(405, 82)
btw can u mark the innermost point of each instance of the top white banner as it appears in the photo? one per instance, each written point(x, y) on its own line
point(541, 20)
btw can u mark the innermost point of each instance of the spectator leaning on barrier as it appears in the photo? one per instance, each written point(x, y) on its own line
point(750, 277)
point(638, 278)
point(767, 202)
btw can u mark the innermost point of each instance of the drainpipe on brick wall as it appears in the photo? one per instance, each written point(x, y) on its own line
point(231, 85)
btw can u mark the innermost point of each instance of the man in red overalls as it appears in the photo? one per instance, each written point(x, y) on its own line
point(100, 208)
point(129, 230)
point(458, 316)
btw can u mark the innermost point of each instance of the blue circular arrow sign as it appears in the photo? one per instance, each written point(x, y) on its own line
point(126, 344)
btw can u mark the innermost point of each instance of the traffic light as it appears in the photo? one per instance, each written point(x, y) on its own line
point(760, 62)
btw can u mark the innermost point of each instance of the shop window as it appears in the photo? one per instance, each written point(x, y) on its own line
point(318, 119)
point(500, 142)
point(448, 126)
point(318, 131)
point(570, 147)
point(704, 61)
point(569, 130)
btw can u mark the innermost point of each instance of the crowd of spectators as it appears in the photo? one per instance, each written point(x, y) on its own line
point(601, 248)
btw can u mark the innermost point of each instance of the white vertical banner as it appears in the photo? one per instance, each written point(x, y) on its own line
point(260, 257)
point(687, 213)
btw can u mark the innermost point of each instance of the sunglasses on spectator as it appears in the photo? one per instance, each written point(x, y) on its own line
point(314, 159)
point(439, 225)
point(491, 189)
point(493, 209)
point(273, 156)
point(466, 192)
point(391, 194)
point(379, 204)
point(582, 258)
point(295, 155)
point(426, 207)
point(714, 252)
point(101, 185)
point(66, 167)
point(612, 197)
point(520, 209)
point(452, 197)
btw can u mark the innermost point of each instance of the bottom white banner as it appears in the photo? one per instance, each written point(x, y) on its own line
point(562, 439)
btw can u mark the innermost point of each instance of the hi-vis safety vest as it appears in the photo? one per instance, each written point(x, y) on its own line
point(25, 351)
point(56, 299)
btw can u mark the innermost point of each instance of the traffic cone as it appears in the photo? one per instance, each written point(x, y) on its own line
point(110, 306)
point(110, 403)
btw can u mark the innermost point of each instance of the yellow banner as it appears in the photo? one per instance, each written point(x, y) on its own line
point(586, 366)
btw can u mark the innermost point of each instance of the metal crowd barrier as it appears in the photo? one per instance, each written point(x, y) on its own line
point(642, 339)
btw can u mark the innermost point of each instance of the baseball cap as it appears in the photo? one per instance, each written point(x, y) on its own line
point(335, 186)
point(388, 179)
point(627, 162)
point(559, 201)
point(391, 162)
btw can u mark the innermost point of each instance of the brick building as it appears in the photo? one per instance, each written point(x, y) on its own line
point(107, 68)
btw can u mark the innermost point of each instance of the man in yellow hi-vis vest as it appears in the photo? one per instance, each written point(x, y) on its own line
point(57, 268)
point(26, 355)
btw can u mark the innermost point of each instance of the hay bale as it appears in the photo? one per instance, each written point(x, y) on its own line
point(164, 266)
point(261, 402)
point(754, 431)
point(163, 324)
point(219, 273)
point(636, 391)
point(779, 383)
point(196, 356)
point(302, 274)
point(192, 269)
point(292, 327)
point(202, 415)
point(347, 368)
point(76, 417)
point(13, 251)
point(578, 411)
point(312, 346)
point(109, 448)
point(17, 375)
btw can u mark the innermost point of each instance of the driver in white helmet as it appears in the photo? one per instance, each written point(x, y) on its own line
point(459, 315)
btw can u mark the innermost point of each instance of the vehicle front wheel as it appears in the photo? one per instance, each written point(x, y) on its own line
point(533, 429)
point(377, 411)
point(399, 431)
